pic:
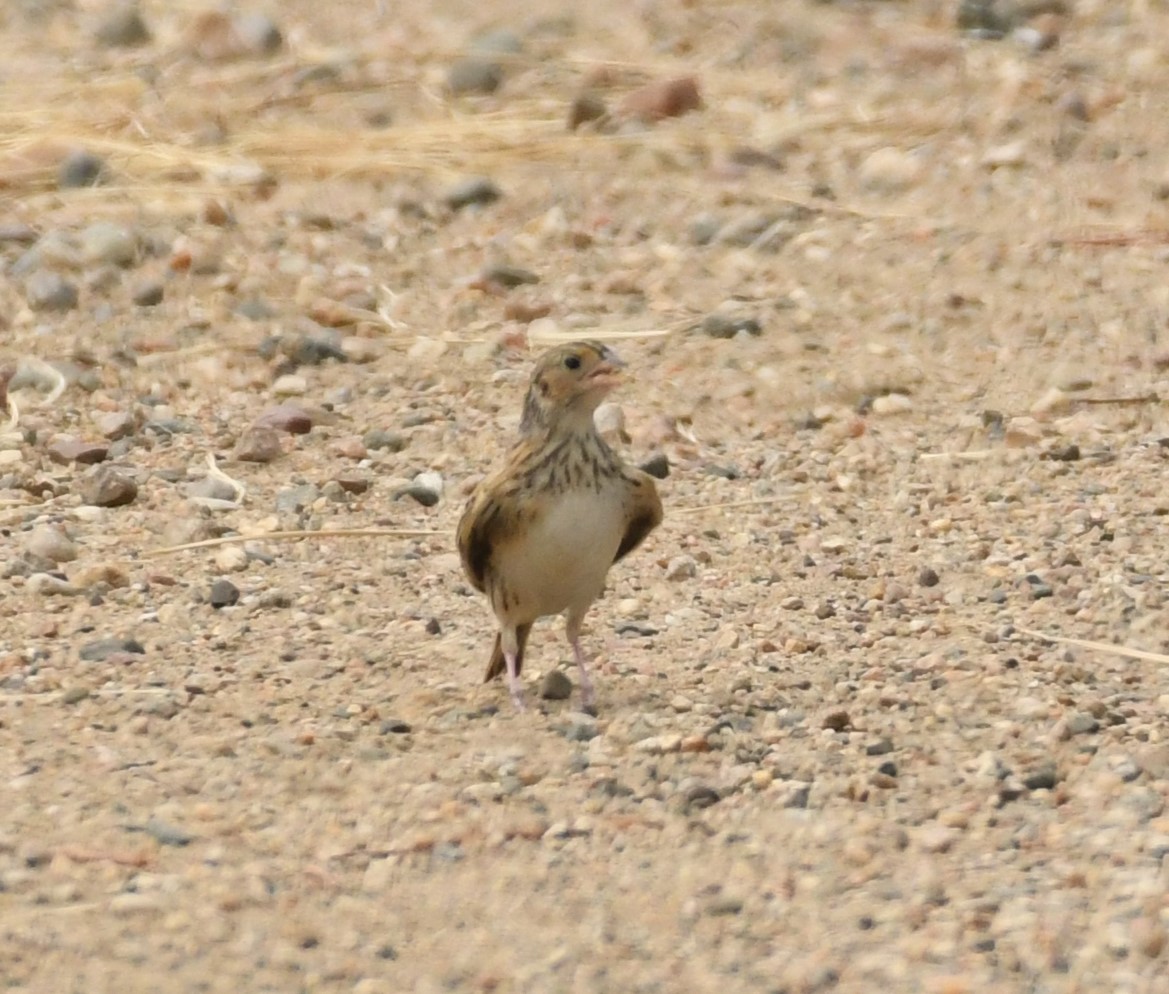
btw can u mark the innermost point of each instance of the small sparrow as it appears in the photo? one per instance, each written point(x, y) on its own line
point(538, 536)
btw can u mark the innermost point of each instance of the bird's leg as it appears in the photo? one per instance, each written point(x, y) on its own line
point(513, 682)
point(511, 651)
point(587, 696)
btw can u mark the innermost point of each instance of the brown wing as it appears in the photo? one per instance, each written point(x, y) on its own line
point(643, 515)
point(494, 514)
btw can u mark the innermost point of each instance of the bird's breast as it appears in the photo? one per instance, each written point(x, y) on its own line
point(563, 559)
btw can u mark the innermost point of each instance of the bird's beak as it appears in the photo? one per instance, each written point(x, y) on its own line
point(607, 374)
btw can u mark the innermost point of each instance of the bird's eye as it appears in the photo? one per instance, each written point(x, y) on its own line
point(572, 362)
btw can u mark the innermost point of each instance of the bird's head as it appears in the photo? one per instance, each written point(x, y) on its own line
point(568, 383)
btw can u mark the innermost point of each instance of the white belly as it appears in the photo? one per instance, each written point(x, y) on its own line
point(563, 560)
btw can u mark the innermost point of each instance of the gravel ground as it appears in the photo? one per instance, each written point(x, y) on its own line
point(894, 304)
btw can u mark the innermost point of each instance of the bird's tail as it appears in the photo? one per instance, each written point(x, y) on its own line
point(497, 665)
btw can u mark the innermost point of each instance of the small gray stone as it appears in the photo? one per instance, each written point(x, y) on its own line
point(100, 650)
point(657, 466)
point(48, 291)
point(74, 695)
point(474, 75)
point(255, 309)
point(74, 450)
point(1043, 777)
point(882, 747)
point(224, 593)
point(497, 41)
point(555, 686)
point(109, 243)
point(149, 293)
point(725, 326)
point(1082, 723)
point(580, 727)
point(51, 543)
point(377, 439)
point(104, 486)
point(293, 500)
point(507, 276)
point(701, 796)
point(116, 425)
point(425, 495)
point(258, 444)
point(586, 107)
point(290, 418)
point(476, 191)
point(395, 726)
point(210, 488)
point(928, 577)
point(722, 905)
point(167, 834)
point(123, 28)
point(81, 169)
point(258, 32)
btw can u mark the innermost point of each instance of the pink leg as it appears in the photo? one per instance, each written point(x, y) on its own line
point(587, 697)
point(513, 682)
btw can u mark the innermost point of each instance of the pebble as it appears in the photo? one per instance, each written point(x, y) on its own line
point(103, 242)
point(123, 27)
point(223, 593)
point(580, 727)
point(555, 686)
point(81, 169)
point(837, 720)
point(290, 418)
point(662, 99)
point(115, 425)
point(49, 291)
point(50, 542)
point(474, 75)
point(74, 695)
point(102, 649)
point(476, 191)
point(353, 482)
point(1011, 155)
point(258, 444)
point(232, 559)
point(497, 41)
point(66, 450)
point(889, 170)
point(700, 796)
point(658, 745)
point(657, 466)
point(502, 275)
point(586, 107)
point(423, 495)
point(104, 486)
point(49, 585)
point(609, 419)
point(724, 326)
point(167, 834)
point(148, 293)
point(928, 577)
point(681, 568)
point(294, 500)
point(290, 385)
point(379, 439)
point(211, 488)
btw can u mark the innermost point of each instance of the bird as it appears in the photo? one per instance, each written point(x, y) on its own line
point(539, 535)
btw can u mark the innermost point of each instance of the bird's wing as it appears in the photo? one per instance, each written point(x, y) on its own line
point(643, 512)
point(494, 516)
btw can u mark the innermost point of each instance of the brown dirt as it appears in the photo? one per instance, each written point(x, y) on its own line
point(832, 753)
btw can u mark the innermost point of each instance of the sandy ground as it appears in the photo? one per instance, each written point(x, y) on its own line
point(895, 309)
